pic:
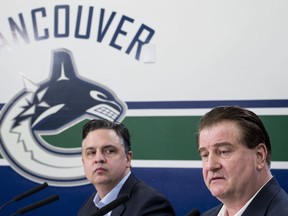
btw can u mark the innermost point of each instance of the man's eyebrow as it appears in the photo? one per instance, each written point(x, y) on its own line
point(216, 145)
point(222, 144)
point(89, 148)
point(109, 147)
point(102, 147)
point(201, 150)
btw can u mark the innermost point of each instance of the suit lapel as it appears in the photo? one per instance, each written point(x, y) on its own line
point(260, 203)
point(125, 190)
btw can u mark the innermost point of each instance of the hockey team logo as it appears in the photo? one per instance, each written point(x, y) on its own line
point(49, 108)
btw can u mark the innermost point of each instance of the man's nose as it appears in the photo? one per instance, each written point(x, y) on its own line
point(99, 157)
point(213, 162)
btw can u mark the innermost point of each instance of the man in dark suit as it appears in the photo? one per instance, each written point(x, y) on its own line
point(106, 156)
point(236, 155)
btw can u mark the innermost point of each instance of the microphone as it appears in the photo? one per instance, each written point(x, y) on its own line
point(36, 205)
point(194, 212)
point(25, 194)
point(110, 206)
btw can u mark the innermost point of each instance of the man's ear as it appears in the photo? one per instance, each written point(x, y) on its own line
point(261, 154)
point(129, 156)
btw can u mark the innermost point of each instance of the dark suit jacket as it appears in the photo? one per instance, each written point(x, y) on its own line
point(143, 200)
point(271, 200)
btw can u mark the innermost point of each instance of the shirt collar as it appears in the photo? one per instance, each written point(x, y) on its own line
point(112, 195)
point(223, 211)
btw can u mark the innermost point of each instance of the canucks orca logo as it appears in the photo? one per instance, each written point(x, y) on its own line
point(63, 101)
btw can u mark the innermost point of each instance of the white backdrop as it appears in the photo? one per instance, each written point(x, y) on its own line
point(204, 50)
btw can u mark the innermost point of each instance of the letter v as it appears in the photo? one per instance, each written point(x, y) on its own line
point(101, 31)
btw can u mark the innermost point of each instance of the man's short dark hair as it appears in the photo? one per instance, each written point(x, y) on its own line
point(119, 128)
point(251, 126)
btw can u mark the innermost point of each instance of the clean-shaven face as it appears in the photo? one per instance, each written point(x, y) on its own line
point(104, 159)
point(229, 167)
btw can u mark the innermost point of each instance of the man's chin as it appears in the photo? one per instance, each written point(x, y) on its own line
point(99, 180)
point(217, 192)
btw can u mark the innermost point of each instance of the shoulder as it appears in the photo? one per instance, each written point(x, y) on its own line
point(271, 200)
point(272, 191)
point(279, 204)
point(144, 199)
point(139, 187)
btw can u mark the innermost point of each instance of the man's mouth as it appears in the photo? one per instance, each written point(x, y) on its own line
point(100, 170)
point(214, 179)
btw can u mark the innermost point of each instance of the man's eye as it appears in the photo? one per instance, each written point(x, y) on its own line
point(90, 153)
point(109, 151)
point(223, 153)
point(204, 155)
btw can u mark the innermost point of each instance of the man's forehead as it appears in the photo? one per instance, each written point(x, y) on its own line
point(224, 133)
point(221, 128)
